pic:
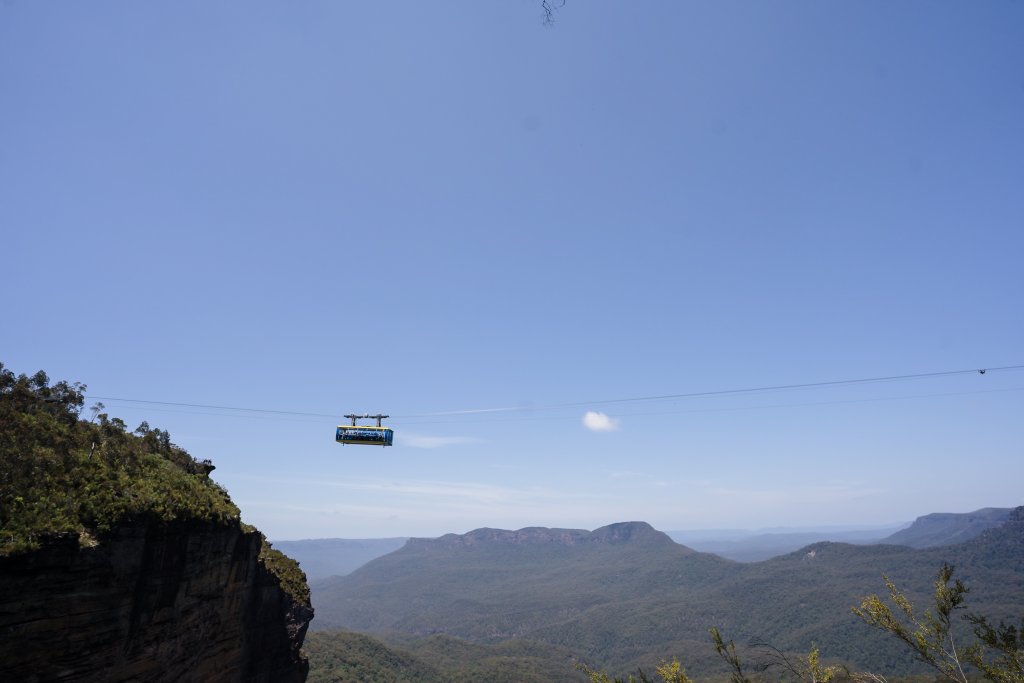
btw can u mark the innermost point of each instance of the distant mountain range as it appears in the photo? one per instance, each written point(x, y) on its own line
point(324, 557)
point(945, 528)
point(937, 529)
point(751, 546)
point(627, 595)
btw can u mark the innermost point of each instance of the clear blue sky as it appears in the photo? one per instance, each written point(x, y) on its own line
point(413, 208)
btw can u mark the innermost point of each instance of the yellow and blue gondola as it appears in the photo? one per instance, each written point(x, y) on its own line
point(364, 435)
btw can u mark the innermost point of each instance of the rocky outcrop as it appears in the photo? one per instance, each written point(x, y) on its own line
point(179, 602)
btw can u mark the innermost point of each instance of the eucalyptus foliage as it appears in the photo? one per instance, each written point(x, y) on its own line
point(62, 474)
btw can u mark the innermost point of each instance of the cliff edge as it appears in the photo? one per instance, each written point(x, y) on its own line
point(183, 601)
point(121, 560)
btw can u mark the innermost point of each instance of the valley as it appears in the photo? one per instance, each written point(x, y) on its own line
point(627, 596)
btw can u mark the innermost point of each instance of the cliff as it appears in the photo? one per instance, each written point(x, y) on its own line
point(154, 602)
point(121, 560)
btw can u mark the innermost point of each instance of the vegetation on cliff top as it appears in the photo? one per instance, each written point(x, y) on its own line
point(287, 571)
point(60, 473)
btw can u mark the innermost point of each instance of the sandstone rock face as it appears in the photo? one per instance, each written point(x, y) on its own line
point(154, 602)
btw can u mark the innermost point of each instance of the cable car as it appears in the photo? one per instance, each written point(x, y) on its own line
point(365, 435)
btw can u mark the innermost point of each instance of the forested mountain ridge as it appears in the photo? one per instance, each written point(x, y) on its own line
point(120, 559)
point(635, 602)
point(756, 546)
point(948, 528)
point(633, 533)
point(327, 557)
point(448, 577)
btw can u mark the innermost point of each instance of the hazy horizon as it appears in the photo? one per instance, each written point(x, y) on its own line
point(713, 533)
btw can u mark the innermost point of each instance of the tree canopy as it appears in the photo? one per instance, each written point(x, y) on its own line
point(60, 473)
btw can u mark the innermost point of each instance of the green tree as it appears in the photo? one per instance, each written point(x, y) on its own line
point(997, 652)
point(727, 651)
point(670, 672)
point(61, 474)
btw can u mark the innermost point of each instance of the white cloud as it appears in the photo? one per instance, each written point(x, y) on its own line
point(599, 422)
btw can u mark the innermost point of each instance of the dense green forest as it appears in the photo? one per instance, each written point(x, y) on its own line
point(336, 656)
point(61, 473)
point(626, 596)
point(992, 653)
